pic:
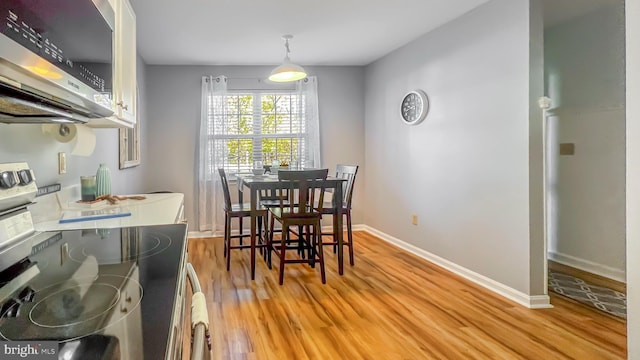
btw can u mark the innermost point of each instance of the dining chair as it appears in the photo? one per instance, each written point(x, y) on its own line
point(239, 211)
point(301, 207)
point(347, 172)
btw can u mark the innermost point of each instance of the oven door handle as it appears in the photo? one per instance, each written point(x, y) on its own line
point(199, 320)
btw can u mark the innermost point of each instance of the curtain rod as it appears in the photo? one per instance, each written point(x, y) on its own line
point(263, 80)
point(235, 78)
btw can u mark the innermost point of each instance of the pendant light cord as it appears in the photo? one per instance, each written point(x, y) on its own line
point(286, 48)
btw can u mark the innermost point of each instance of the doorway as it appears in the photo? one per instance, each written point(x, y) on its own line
point(584, 45)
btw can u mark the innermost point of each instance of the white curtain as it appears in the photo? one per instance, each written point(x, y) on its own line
point(307, 90)
point(214, 90)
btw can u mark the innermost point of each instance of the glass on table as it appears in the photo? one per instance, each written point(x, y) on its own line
point(88, 188)
point(258, 168)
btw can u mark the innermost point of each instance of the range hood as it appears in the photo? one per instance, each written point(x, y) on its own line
point(30, 99)
point(56, 62)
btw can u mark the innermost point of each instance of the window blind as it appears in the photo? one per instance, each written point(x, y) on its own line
point(260, 126)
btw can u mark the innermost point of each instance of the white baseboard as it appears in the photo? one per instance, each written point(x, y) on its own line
point(588, 266)
point(200, 234)
point(354, 227)
point(532, 302)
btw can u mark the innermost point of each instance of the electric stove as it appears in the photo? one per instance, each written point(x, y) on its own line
point(117, 288)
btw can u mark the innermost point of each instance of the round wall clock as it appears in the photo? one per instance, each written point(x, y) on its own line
point(414, 107)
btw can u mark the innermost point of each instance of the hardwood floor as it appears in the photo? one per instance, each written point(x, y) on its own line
point(390, 305)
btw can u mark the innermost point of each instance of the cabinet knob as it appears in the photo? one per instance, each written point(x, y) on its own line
point(122, 105)
point(124, 310)
point(128, 299)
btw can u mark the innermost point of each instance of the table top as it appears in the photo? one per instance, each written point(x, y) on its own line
point(250, 179)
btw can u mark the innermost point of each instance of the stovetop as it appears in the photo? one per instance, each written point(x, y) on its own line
point(76, 285)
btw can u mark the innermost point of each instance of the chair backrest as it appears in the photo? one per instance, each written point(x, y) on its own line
point(347, 172)
point(270, 194)
point(225, 189)
point(310, 190)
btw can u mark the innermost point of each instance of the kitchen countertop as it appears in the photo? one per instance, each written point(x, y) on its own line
point(156, 209)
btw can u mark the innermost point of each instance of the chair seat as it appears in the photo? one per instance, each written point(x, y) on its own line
point(242, 209)
point(273, 203)
point(295, 213)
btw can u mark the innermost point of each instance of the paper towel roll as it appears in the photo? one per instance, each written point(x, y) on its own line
point(82, 137)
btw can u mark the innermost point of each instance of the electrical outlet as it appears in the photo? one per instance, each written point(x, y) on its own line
point(62, 163)
point(414, 219)
point(567, 149)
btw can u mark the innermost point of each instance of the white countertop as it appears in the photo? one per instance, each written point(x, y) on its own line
point(156, 209)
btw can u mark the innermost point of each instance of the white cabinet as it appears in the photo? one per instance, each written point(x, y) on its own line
point(124, 80)
point(124, 68)
point(126, 319)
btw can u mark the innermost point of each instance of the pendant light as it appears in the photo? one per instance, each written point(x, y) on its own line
point(287, 71)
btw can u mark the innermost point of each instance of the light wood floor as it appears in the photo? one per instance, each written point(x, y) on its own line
point(391, 305)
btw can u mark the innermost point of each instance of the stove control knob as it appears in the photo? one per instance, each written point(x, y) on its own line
point(27, 294)
point(10, 309)
point(8, 179)
point(25, 176)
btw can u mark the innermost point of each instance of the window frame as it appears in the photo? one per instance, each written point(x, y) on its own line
point(257, 134)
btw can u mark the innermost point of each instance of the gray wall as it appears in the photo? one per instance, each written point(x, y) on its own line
point(174, 94)
point(24, 142)
point(585, 78)
point(465, 170)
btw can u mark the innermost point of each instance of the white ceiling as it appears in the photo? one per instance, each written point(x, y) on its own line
point(326, 32)
point(248, 32)
point(558, 11)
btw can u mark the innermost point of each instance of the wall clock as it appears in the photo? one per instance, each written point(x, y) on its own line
point(414, 107)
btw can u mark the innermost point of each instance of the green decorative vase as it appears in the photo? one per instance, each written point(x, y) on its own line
point(103, 180)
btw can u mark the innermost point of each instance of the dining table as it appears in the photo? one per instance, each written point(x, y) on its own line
point(256, 183)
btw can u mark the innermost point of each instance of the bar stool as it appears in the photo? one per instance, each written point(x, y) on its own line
point(347, 172)
point(299, 209)
point(239, 211)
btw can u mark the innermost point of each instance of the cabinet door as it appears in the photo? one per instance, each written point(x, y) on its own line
point(125, 322)
point(132, 298)
point(125, 62)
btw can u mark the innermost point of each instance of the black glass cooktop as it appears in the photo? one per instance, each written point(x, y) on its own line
point(106, 286)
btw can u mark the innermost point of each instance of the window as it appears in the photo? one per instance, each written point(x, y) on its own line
point(247, 127)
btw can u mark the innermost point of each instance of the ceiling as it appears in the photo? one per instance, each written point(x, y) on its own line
point(558, 11)
point(248, 32)
point(326, 32)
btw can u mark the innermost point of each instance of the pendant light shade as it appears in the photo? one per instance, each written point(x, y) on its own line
point(287, 71)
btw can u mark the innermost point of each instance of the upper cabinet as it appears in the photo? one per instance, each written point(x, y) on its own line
point(124, 80)
point(124, 67)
